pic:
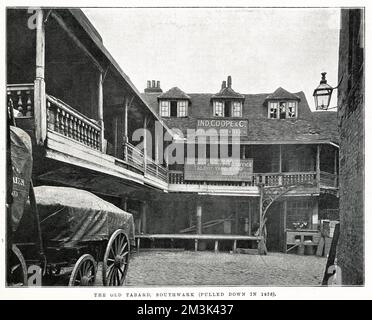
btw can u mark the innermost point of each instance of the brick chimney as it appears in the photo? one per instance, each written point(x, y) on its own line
point(223, 86)
point(229, 82)
point(153, 86)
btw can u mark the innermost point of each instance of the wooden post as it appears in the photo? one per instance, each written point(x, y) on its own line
point(196, 245)
point(234, 246)
point(199, 219)
point(285, 226)
point(216, 246)
point(318, 164)
point(280, 165)
point(335, 169)
point(39, 83)
point(143, 216)
point(138, 244)
point(100, 110)
point(262, 243)
point(145, 142)
point(126, 106)
point(123, 203)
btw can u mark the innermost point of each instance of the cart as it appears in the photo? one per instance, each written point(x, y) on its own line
point(78, 230)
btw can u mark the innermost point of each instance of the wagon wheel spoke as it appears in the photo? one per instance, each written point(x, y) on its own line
point(123, 247)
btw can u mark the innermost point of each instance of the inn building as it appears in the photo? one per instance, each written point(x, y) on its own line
point(82, 112)
point(287, 180)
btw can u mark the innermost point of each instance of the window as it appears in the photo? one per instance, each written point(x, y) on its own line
point(291, 110)
point(227, 109)
point(164, 108)
point(182, 108)
point(299, 214)
point(282, 109)
point(273, 109)
point(173, 108)
point(237, 109)
point(218, 109)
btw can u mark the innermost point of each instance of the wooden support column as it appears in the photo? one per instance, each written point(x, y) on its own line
point(215, 246)
point(143, 217)
point(280, 165)
point(124, 203)
point(234, 246)
point(126, 107)
point(285, 225)
point(335, 168)
point(318, 149)
point(145, 143)
point(199, 219)
point(100, 110)
point(39, 83)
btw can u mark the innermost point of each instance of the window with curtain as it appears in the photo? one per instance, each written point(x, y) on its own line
point(237, 109)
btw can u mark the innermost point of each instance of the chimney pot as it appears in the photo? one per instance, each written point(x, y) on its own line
point(148, 84)
point(223, 84)
point(158, 84)
point(153, 83)
point(229, 81)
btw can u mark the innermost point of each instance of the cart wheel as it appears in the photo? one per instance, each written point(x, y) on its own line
point(17, 274)
point(116, 259)
point(84, 272)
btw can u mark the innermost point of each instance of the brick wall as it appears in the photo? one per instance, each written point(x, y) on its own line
point(350, 251)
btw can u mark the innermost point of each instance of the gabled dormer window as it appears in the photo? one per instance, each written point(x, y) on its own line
point(227, 108)
point(173, 108)
point(282, 109)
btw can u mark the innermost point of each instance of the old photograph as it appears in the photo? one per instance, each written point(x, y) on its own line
point(184, 147)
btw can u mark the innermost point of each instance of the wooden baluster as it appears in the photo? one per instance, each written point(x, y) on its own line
point(63, 123)
point(58, 119)
point(79, 131)
point(74, 129)
point(20, 104)
point(67, 119)
point(28, 104)
point(83, 133)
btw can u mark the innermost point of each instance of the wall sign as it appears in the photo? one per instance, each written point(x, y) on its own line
point(224, 170)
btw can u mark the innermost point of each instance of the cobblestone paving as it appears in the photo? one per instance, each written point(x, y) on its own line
point(207, 268)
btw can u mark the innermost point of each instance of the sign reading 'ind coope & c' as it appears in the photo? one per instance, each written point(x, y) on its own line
point(231, 125)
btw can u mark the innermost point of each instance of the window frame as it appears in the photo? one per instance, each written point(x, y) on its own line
point(221, 105)
point(182, 104)
point(288, 103)
point(163, 108)
point(233, 111)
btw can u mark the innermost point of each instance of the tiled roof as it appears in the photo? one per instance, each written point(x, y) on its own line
point(174, 93)
point(281, 93)
point(227, 93)
point(308, 127)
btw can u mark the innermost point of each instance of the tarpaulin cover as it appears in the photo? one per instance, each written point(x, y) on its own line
point(69, 216)
point(21, 157)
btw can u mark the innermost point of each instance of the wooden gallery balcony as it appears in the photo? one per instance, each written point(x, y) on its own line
point(307, 182)
point(74, 138)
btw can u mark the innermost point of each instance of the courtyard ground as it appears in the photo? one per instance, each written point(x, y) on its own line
point(179, 268)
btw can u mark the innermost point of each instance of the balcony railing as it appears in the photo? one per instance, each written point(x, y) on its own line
point(136, 158)
point(266, 179)
point(71, 123)
point(20, 97)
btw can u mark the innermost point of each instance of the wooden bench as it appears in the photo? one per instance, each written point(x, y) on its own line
point(197, 237)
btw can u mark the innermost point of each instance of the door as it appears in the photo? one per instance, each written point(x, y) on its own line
point(274, 225)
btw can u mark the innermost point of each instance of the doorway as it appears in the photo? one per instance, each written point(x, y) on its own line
point(275, 227)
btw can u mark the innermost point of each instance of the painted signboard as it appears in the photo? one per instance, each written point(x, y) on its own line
point(231, 125)
point(220, 170)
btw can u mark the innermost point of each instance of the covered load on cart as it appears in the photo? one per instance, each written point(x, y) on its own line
point(75, 222)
